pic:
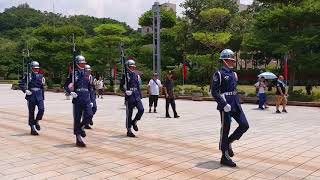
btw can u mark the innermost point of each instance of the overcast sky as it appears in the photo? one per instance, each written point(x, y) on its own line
point(122, 10)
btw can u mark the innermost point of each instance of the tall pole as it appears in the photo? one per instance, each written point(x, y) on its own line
point(23, 63)
point(156, 38)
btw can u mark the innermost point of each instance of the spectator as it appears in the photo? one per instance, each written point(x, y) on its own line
point(154, 88)
point(281, 95)
point(100, 88)
point(170, 99)
point(261, 87)
point(309, 88)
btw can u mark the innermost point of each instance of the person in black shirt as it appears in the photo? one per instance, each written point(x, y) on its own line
point(170, 99)
point(281, 95)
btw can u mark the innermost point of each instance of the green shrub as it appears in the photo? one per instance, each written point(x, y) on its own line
point(110, 88)
point(177, 89)
point(299, 95)
point(13, 76)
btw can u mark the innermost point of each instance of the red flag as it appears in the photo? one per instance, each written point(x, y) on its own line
point(41, 71)
point(115, 72)
point(286, 69)
point(185, 71)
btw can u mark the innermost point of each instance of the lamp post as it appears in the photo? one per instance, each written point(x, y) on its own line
point(156, 38)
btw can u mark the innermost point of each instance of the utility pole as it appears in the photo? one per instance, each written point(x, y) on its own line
point(156, 38)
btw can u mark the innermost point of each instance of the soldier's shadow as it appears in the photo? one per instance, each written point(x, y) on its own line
point(21, 135)
point(209, 165)
point(64, 146)
point(119, 137)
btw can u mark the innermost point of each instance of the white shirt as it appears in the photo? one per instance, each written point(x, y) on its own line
point(262, 86)
point(100, 84)
point(154, 88)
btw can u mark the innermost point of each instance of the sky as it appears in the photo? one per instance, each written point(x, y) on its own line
point(122, 10)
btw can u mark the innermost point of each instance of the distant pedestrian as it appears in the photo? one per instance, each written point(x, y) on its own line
point(101, 87)
point(261, 87)
point(170, 99)
point(309, 88)
point(281, 95)
point(154, 89)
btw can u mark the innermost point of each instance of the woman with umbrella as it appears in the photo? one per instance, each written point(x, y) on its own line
point(261, 87)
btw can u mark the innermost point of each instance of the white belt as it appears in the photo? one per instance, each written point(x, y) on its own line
point(229, 93)
point(35, 89)
point(82, 90)
point(133, 89)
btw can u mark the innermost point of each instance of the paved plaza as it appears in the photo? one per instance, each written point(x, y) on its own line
point(284, 146)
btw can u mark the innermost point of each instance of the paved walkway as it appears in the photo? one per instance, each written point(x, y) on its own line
point(285, 146)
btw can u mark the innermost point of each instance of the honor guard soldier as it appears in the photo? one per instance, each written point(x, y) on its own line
point(92, 90)
point(82, 105)
point(33, 86)
point(224, 90)
point(133, 97)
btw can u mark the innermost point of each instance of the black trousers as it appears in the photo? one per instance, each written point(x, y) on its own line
point(81, 110)
point(153, 99)
point(225, 139)
point(171, 101)
point(100, 92)
point(31, 107)
point(129, 109)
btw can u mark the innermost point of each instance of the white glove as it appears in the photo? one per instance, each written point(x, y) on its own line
point(91, 104)
point(74, 95)
point(227, 108)
point(128, 93)
point(28, 92)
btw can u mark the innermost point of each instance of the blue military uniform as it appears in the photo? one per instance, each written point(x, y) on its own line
point(224, 90)
point(93, 95)
point(81, 104)
point(36, 86)
point(134, 100)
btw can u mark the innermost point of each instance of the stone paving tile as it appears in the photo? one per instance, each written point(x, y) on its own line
point(72, 175)
point(17, 175)
point(99, 175)
point(312, 178)
point(271, 173)
point(43, 175)
point(276, 146)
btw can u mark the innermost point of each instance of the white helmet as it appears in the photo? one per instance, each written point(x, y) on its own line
point(35, 65)
point(81, 59)
point(131, 63)
point(87, 67)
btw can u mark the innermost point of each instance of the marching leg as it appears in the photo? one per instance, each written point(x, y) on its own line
point(32, 122)
point(138, 116)
point(129, 110)
point(40, 105)
point(242, 128)
point(224, 144)
point(77, 113)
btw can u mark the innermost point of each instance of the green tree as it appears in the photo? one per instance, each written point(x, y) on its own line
point(168, 18)
point(288, 28)
point(104, 48)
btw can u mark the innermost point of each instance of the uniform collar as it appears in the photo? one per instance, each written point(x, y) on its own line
point(226, 69)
